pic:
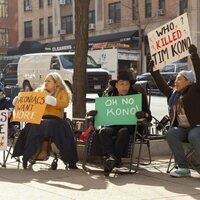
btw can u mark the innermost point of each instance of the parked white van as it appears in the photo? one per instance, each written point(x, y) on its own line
point(33, 68)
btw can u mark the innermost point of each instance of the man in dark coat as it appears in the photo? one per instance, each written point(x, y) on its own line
point(184, 110)
point(113, 152)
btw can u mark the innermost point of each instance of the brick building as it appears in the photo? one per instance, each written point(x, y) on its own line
point(8, 25)
point(51, 22)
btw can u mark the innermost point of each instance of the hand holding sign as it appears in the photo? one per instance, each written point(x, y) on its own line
point(29, 107)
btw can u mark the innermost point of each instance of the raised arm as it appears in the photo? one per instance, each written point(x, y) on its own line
point(159, 80)
point(195, 61)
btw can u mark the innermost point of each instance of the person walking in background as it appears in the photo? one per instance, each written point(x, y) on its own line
point(114, 150)
point(34, 139)
point(184, 110)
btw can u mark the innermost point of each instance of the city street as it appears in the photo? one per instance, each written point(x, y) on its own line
point(158, 106)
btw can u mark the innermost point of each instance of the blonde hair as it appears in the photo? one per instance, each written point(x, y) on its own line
point(60, 83)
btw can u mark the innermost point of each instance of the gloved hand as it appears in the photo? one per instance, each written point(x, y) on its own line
point(50, 100)
point(192, 49)
point(91, 113)
point(151, 65)
point(15, 100)
point(141, 114)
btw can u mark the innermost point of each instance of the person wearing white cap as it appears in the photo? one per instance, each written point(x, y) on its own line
point(184, 110)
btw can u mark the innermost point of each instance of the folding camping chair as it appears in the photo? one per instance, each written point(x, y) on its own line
point(190, 155)
point(13, 133)
point(93, 152)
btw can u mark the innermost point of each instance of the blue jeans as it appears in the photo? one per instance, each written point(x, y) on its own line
point(176, 136)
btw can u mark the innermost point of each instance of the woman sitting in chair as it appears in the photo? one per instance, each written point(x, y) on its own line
point(114, 152)
point(33, 142)
point(184, 109)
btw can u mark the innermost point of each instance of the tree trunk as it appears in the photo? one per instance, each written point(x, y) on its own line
point(80, 59)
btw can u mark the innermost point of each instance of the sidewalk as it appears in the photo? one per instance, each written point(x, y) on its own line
point(39, 182)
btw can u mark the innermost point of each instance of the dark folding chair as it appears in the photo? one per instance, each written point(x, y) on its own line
point(191, 158)
point(13, 133)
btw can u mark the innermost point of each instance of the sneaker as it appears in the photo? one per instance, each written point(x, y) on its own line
point(181, 172)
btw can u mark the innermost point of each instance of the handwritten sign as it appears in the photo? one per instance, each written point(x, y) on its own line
point(29, 107)
point(3, 129)
point(170, 42)
point(117, 110)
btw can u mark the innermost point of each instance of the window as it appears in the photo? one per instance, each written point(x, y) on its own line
point(41, 26)
point(3, 8)
point(183, 6)
point(161, 8)
point(3, 37)
point(134, 9)
point(161, 4)
point(50, 25)
point(147, 8)
point(49, 2)
point(41, 3)
point(67, 24)
point(68, 1)
point(91, 16)
point(114, 12)
point(27, 5)
point(28, 29)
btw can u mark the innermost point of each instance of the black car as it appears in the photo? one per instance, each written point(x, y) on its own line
point(169, 73)
point(9, 74)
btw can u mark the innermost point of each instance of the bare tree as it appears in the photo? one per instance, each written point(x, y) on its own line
point(80, 59)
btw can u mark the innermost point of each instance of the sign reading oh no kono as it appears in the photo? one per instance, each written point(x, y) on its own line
point(117, 110)
point(29, 107)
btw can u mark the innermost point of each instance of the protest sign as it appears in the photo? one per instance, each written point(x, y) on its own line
point(117, 110)
point(29, 107)
point(170, 42)
point(3, 129)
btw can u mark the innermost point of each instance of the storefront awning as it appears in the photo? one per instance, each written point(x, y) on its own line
point(66, 45)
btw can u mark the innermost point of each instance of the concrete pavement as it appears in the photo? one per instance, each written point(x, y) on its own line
point(39, 182)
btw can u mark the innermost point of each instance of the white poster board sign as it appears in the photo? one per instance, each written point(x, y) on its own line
point(170, 42)
point(3, 129)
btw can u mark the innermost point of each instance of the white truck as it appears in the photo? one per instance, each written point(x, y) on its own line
point(116, 59)
point(33, 68)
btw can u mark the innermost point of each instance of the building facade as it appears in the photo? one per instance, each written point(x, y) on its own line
point(8, 25)
point(51, 22)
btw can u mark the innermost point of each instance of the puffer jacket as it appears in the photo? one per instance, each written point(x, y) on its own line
point(190, 95)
